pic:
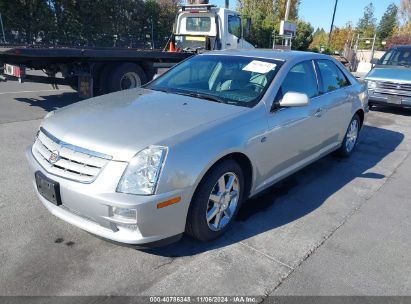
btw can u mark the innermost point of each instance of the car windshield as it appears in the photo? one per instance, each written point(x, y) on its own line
point(401, 57)
point(234, 80)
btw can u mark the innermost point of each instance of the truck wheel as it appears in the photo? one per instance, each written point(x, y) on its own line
point(126, 76)
point(216, 202)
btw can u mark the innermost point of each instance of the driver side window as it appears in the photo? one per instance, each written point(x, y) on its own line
point(300, 79)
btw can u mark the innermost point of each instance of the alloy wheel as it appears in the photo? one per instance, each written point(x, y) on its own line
point(223, 201)
point(352, 135)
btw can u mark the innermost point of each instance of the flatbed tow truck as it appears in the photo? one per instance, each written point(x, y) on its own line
point(96, 71)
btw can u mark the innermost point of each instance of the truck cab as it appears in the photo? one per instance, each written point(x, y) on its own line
point(205, 26)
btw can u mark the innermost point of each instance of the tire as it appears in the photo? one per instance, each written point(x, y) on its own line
point(370, 105)
point(351, 137)
point(125, 76)
point(201, 224)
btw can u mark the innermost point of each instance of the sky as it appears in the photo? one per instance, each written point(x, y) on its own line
point(319, 12)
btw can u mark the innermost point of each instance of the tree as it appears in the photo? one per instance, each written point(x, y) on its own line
point(368, 23)
point(26, 20)
point(404, 19)
point(388, 22)
point(340, 38)
point(398, 40)
point(304, 36)
point(266, 16)
point(320, 38)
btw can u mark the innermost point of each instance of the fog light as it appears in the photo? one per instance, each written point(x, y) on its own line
point(126, 213)
point(128, 226)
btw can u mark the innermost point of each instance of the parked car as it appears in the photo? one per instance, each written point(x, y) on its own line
point(183, 153)
point(344, 61)
point(389, 82)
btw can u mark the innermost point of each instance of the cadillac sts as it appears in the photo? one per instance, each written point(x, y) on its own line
point(183, 153)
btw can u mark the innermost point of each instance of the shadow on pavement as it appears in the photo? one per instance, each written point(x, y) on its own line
point(51, 102)
point(392, 110)
point(313, 185)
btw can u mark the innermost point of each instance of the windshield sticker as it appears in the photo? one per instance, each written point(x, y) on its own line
point(259, 67)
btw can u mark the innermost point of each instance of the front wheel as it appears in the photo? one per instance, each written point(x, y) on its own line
point(351, 137)
point(216, 202)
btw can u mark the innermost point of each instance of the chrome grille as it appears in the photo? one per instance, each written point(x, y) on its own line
point(394, 86)
point(397, 89)
point(66, 160)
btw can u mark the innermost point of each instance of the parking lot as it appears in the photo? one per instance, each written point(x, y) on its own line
point(338, 227)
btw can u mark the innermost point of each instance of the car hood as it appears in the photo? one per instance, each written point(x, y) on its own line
point(123, 123)
point(391, 74)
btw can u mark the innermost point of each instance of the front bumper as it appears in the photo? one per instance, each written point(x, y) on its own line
point(377, 97)
point(88, 206)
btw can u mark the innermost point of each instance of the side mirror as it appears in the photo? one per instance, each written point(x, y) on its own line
point(374, 61)
point(294, 99)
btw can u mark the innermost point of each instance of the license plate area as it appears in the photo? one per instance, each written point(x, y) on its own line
point(48, 188)
point(395, 99)
point(14, 70)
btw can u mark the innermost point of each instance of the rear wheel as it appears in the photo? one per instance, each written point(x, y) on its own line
point(126, 76)
point(351, 137)
point(216, 202)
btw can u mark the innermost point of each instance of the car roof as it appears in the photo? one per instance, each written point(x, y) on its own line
point(283, 55)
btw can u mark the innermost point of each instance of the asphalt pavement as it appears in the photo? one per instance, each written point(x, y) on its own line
point(338, 227)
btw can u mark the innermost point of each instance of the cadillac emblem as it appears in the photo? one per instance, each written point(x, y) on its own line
point(54, 157)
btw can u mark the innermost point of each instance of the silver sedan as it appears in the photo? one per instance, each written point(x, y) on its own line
point(183, 153)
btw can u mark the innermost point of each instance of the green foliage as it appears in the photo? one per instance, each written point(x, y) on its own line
point(304, 36)
point(368, 23)
point(125, 23)
point(388, 22)
point(320, 39)
point(266, 18)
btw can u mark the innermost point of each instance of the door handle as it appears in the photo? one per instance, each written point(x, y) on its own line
point(319, 112)
point(228, 44)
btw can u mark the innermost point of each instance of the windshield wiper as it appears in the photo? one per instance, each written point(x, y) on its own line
point(191, 94)
point(201, 96)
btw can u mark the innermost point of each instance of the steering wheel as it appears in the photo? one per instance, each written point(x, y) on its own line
point(256, 87)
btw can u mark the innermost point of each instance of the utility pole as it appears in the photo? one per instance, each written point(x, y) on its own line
point(373, 46)
point(332, 22)
point(152, 33)
point(2, 28)
point(287, 15)
point(287, 10)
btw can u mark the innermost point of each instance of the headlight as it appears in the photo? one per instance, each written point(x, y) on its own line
point(372, 85)
point(142, 173)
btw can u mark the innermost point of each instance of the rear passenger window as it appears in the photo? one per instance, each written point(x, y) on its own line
point(300, 79)
point(332, 77)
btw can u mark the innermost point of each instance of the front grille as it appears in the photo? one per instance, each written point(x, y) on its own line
point(394, 86)
point(66, 160)
point(397, 89)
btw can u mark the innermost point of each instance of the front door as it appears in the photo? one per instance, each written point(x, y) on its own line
point(295, 134)
point(233, 32)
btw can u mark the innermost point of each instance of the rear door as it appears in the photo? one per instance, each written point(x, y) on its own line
point(334, 104)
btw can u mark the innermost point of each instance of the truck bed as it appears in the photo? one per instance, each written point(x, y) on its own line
point(28, 56)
